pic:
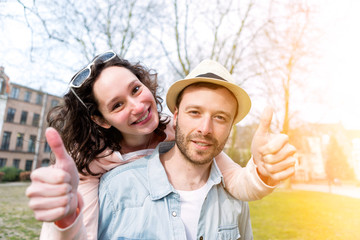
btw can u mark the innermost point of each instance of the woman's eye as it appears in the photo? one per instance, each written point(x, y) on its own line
point(136, 89)
point(117, 105)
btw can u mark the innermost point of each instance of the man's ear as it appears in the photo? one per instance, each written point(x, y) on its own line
point(176, 112)
point(100, 121)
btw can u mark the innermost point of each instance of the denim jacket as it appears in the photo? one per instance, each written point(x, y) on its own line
point(137, 201)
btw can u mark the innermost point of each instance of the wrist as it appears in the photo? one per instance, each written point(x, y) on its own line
point(68, 220)
point(71, 217)
point(267, 179)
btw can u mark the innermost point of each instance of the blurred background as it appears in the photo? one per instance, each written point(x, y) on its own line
point(300, 57)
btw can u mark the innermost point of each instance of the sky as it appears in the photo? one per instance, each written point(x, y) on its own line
point(335, 75)
point(338, 69)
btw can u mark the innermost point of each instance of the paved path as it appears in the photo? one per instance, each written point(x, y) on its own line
point(14, 184)
point(350, 191)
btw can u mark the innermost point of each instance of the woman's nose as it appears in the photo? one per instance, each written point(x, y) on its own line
point(136, 106)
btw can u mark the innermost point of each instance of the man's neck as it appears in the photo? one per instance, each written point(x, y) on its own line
point(183, 174)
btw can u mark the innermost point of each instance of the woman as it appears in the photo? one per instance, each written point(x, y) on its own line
point(110, 116)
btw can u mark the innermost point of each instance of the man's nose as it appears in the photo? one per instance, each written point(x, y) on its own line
point(205, 125)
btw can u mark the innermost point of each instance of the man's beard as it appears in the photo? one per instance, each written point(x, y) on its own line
point(197, 157)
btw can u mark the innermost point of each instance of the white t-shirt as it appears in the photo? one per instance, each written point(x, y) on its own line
point(191, 203)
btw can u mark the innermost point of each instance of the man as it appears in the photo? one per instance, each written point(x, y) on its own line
point(178, 192)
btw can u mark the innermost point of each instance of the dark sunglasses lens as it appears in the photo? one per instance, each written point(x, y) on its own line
point(81, 77)
point(105, 56)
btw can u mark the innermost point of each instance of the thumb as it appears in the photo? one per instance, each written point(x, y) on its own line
point(57, 146)
point(265, 121)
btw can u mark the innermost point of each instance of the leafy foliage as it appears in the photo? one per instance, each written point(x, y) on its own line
point(10, 174)
point(337, 165)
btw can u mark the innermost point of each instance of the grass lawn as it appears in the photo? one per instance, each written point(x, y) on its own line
point(16, 219)
point(281, 215)
point(305, 215)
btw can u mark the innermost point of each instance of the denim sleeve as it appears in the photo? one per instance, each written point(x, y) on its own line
point(105, 212)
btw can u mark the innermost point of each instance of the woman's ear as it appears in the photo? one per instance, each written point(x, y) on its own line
point(100, 121)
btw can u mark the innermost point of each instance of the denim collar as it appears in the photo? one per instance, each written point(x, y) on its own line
point(159, 185)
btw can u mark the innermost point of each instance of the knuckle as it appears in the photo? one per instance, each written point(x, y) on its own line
point(60, 176)
point(39, 216)
point(62, 211)
point(29, 192)
point(63, 189)
point(291, 148)
point(267, 158)
point(276, 177)
point(31, 205)
point(65, 200)
point(284, 137)
point(269, 168)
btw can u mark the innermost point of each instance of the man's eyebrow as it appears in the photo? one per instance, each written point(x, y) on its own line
point(228, 114)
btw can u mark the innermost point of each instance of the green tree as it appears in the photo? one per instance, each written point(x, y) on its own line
point(337, 165)
point(11, 174)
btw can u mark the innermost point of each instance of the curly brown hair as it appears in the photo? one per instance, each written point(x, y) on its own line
point(82, 137)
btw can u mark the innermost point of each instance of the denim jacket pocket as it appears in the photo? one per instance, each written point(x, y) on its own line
point(230, 232)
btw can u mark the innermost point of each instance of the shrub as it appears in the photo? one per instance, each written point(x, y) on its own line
point(25, 176)
point(11, 174)
point(1, 175)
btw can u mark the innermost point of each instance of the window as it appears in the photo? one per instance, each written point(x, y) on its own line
point(16, 163)
point(45, 162)
point(2, 162)
point(36, 119)
point(14, 92)
point(10, 115)
point(2, 85)
point(23, 117)
point(6, 141)
point(31, 146)
point(19, 141)
point(27, 96)
point(47, 147)
point(54, 103)
point(28, 165)
point(39, 99)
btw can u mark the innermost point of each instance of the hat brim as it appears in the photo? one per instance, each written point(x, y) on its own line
point(243, 99)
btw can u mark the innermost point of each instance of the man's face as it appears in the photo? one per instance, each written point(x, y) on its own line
point(203, 122)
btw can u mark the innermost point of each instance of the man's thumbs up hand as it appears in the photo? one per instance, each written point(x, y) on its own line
point(53, 190)
point(272, 153)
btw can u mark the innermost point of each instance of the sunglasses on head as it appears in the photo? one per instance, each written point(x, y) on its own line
point(78, 80)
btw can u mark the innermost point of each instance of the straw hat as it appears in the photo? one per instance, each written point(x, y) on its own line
point(211, 72)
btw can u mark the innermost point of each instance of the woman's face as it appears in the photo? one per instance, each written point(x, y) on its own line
point(125, 102)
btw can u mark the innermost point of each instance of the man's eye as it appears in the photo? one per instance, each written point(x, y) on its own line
point(220, 118)
point(194, 112)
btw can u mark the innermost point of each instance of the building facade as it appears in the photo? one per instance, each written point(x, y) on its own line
point(22, 126)
point(312, 150)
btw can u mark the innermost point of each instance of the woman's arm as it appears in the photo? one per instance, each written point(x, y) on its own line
point(273, 161)
point(242, 183)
